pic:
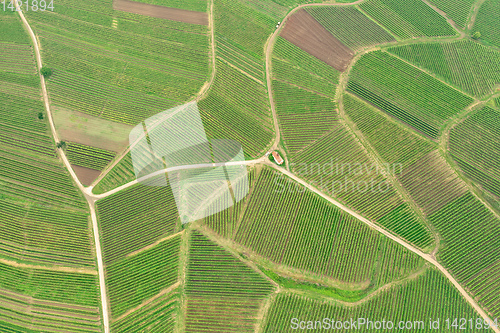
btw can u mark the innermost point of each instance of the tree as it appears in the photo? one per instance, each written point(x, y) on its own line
point(61, 144)
point(476, 35)
point(46, 72)
point(40, 115)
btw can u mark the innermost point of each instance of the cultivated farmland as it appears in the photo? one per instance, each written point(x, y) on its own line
point(457, 10)
point(408, 19)
point(350, 26)
point(88, 157)
point(470, 66)
point(139, 277)
point(158, 316)
point(405, 92)
point(307, 33)
point(194, 5)
point(237, 108)
point(50, 235)
point(298, 111)
point(487, 22)
point(134, 218)
point(427, 293)
point(469, 251)
point(381, 130)
point(42, 300)
point(223, 294)
point(122, 173)
point(44, 219)
point(431, 183)
point(116, 65)
point(475, 146)
point(293, 227)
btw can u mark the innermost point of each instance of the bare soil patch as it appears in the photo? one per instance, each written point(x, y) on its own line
point(86, 175)
point(167, 13)
point(302, 30)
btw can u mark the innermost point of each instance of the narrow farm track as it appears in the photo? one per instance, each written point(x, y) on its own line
point(268, 50)
point(182, 167)
point(62, 155)
point(263, 160)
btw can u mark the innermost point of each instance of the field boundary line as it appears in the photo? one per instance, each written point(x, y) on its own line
point(63, 157)
point(366, 298)
point(263, 313)
point(180, 324)
point(448, 20)
point(146, 302)
point(150, 246)
point(54, 268)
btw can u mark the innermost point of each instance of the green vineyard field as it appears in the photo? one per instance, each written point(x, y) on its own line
point(405, 92)
point(470, 252)
point(223, 294)
point(122, 173)
point(88, 157)
point(487, 22)
point(194, 5)
point(296, 228)
point(134, 218)
point(41, 300)
point(298, 112)
point(475, 146)
point(468, 65)
point(408, 19)
point(430, 295)
point(135, 279)
point(350, 26)
point(102, 56)
point(381, 131)
point(49, 235)
point(157, 316)
point(457, 10)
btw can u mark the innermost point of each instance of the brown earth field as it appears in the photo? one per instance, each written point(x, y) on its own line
point(86, 175)
point(167, 13)
point(302, 30)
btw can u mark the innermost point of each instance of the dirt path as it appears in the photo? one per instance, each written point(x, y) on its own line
point(62, 156)
point(49, 268)
point(182, 167)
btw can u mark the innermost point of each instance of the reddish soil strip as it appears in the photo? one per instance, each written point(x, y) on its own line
point(86, 175)
point(302, 30)
point(162, 12)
